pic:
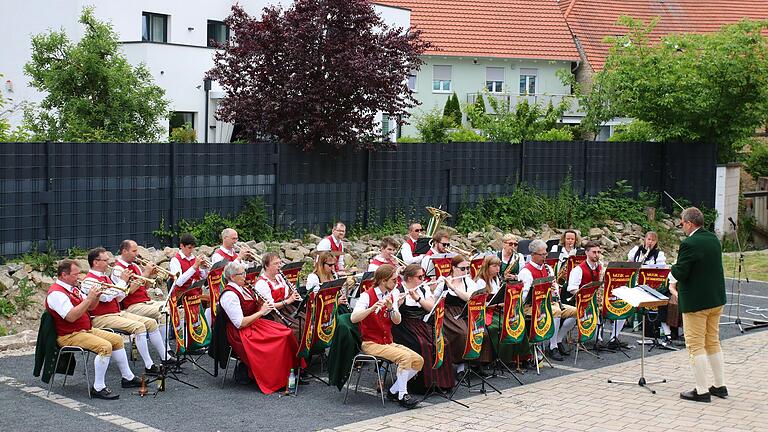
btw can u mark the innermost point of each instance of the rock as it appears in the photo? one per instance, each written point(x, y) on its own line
point(83, 264)
point(40, 279)
point(474, 235)
point(516, 232)
point(294, 255)
point(204, 250)
point(13, 267)
point(607, 232)
point(496, 244)
point(260, 247)
point(6, 282)
point(529, 233)
point(23, 339)
point(313, 238)
point(21, 274)
point(607, 243)
point(595, 232)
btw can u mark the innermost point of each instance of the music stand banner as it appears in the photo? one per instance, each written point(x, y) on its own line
point(571, 263)
point(320, 323)
point(655, 278)
point(513, 322)
point(542, 324)
point(438, 333)
point(215, 286)
point(476, 326)
point(291, 272)
point(474, 266)
point(442, 267)
point(586, 311)
point(616, 275)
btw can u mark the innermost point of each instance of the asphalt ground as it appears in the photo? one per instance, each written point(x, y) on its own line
point(243, 407)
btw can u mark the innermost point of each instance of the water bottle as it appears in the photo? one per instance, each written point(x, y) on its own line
point(292, 382)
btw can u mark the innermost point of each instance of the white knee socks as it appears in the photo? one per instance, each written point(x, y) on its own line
point(208, 315)
point(716, 363)
point(122, 363)
point(100, 364)
point(699, 364)
point(568, 324)
point(665, 330)
point(157, 342)
point(141, 346)
point(553, 340)
point(401, 384)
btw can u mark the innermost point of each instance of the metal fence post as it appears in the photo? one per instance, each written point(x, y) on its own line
point(584, 165)
point(48, 194)
point(276, 186)
point(172, 190)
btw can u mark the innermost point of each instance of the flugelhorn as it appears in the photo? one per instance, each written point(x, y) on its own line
point(144, 262)
point(111, 289)
point(245, 249)
point(146, 280)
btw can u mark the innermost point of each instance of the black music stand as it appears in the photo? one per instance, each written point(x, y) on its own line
point(498, 298)
point(522, 247)
point(336, 283)
point(553, 242)
point(422, 246)
point(642, 296)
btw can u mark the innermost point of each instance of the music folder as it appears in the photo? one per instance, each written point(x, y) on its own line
point(292, 266)
point(641, 296)
point(422, 246)
point(219, 265)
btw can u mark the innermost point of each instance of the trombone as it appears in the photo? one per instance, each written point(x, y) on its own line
point(143, 262)
point(119, 271)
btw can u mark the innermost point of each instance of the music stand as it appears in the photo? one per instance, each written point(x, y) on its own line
point(523, 247)
point(654, 277)
point(498, 298)
point(553, 242)
point(626, 270)
point(641, 296)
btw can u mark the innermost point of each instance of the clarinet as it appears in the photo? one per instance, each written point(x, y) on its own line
point(556, 295)
point(282, 317)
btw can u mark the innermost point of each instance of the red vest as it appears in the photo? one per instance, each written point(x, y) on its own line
point(335, 248)
point(537, 274)
point(412, 245)
point(249, 306)
point(64, 327)
point(138, 296)
point(588, 275)
point(376, 327)
point(225, 255)
point(278, 292)
point(104, 308)
point(380, 262)
point(185, 265)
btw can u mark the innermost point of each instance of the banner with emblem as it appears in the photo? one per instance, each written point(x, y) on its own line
point(215, 286)
point(442, 267)
point(291, 271)
point(513, 321)
point(197, 330)
point(617, 274)
point(542, 324)
point(438, 333)
point(474, 266)
point(320, 322)
point(476, 325)
point(656, 278)
point(586, 311)
point(308, 333)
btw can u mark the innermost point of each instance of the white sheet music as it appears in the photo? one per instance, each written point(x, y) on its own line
point(634, 296)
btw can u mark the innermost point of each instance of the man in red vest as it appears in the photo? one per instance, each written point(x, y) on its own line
point(408, 250)
point(387, 255)
point(376, 311)
point(441, 240)
point(334, 244)
point(69, 309)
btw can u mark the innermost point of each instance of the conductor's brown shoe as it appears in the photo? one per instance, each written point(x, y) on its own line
point(693, 395)
point(720, 392)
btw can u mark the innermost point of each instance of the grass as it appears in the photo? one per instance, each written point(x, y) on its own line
point(755, 265)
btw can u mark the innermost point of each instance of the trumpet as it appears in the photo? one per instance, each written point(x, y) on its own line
point(117, 271)
point(143, 262)
point(111, 289)
point(399, 262)
point(460, 251)
point(246, 250)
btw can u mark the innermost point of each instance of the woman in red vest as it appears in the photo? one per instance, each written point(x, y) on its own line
point(376, 310)
point(266, 347)
point(273, 286)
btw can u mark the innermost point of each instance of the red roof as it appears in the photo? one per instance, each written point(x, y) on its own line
point(531, 29)
point(591, 21)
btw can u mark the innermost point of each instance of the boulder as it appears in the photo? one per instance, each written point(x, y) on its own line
point(474, 235)
point(607, 243)
point(595, 232)
point(6, 282)
point(170, 252)
point(313, 238)
point(21, 274)
point(294, 255)
point(205, 250)
point(260, 247)
point(23, 339)
point(40, 279)
point(13, 267)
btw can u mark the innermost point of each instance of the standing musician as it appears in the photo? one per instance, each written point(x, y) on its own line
point(537, 268)
point(589, 271)
point(418, 335)
point(441, 240)
point(334, 243)
point(276, 290)
point(569, 245)
point(648, 252)
point(408, 250)
point(460, 288)
point(266, 347)
point(511, 260)
point(107, 312)
point(386, 256)
point(69, 310)
point(137, 300)
point(190, 270)
point(375, 320)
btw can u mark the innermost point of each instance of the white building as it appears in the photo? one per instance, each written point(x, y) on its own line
point(171, 37)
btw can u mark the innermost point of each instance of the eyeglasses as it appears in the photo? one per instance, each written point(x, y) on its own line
point(445, 244)
point(420, 277)
point(418, 230)
point(539, 254)
point(330, 264)
point(101, 259)
point(463, 268)
point(239, 274)
point(512, 243)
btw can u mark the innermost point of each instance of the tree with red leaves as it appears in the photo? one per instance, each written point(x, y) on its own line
point(315, 75)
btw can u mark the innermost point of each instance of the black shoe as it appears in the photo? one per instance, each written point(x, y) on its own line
point(135, 382)
point(104, 393)
point(563, 350)
point(693, 395)
point(616, 344)
point(392, 396)
point(720, 392)
point(408, 402)
point(154, 370)
point(554, 355)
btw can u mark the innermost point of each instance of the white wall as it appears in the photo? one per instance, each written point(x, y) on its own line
point(727, 182)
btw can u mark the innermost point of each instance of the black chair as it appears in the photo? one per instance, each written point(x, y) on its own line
point(72, 350)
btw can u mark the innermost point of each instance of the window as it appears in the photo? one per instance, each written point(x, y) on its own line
point(528, 81)
point(180, 118)
point(385, 127)
point(494, 79)
point(412, 82)
point(154, 27)
point(218, 33)
point(441, 79)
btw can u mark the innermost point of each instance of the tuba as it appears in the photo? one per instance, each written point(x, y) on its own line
point(438, 216)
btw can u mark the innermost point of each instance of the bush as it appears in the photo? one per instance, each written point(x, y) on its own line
point(637, 131)
point(46, 262)
point(756, 164)
point(24, 299)
point(463, 134)
point(7, 309)
point(452, 110)
point(184, 134)
point(555, 134)
point(408, 139)
point(478, 109)
point(433, 126)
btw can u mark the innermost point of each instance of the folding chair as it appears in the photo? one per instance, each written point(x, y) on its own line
point(71, 349)
point(361, 359)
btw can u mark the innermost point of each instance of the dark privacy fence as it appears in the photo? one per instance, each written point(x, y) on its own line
point(84, 194)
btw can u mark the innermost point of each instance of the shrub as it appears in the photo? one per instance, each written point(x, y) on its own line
point(637, 131)
point(24, 299)
point(452, 110)
point(433, 126)
point(756, 164)
point(408, 139)
point(555, 134)
point(463, 134)
point(184, 134)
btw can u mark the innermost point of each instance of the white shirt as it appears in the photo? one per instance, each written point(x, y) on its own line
point(661, 259)
point(422, 291)
point(429, 266)
point(469, 285)
point(313, 283)
point(494, 285)
point(231, 304)
point(175, 268)
point(527, 278)
point(59, 302)
point(85, 287)
point(564, 254)
point(325, 245)
point(364, 302)
point(574, 279)
point(263, 287)
point(372, 266)
point(215, 257)
point(408, 256)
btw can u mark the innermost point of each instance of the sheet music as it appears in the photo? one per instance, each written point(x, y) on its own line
point(638, 296)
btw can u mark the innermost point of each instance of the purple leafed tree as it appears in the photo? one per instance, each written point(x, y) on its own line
point(316, 74)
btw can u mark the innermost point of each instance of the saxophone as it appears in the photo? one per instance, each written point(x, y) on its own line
point(508, 270)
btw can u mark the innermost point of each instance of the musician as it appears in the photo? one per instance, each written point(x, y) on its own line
point(266, 347)
point(537, 268)
point(386, 256)
point(460, 288)
point(227, 249)
point(648, 252)
point(701, 296)
point(511, 260)
point(569, 245)
point(488, 280)
point(441, 240)
point(137, 300)
point(190, 270)
point(334, 243)
point(70, 309)
point(273, 287)
point(418, 335)
point(408, 249)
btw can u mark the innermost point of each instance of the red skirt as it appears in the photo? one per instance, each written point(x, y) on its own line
point(268, 349)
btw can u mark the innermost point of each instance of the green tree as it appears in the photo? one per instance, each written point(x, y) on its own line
point(688, 87)
point(93, 93)
point(523, 122)
point(452, 109)
point(433, 126)
point(478, 107)
point(756, 163)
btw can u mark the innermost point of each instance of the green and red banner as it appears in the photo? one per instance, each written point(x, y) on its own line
point(586, 311)
point(476, 322)
point(438, 332)
point(542, 324)
point(512, 321)
point(215, 285)
point(613, 307)
point(320, 323)
point(655, 278)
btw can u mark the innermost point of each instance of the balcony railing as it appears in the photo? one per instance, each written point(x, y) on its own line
point(538, 98)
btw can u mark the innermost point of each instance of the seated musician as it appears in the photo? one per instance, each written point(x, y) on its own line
point(570, 244)
point(107, 313)
point(537, 268)
point(408, 249)
point(273, 287)
point(227, 249)
point(648, 253)
point(386, 256)
point(137, 300)
point(418, 335)
point(375, 312)
point(460, 287)
point(266, 347)
point(511, 260)
point(322, 273)
point(70, 309)
point(190, 270)
point(441, 239)
point(334, 243)
point(488, 279)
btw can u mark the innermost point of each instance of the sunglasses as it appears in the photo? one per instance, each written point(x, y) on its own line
point(445, 244)
point(420, 277)
point(512, 243)
point(418, 230)
point(463, 268)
